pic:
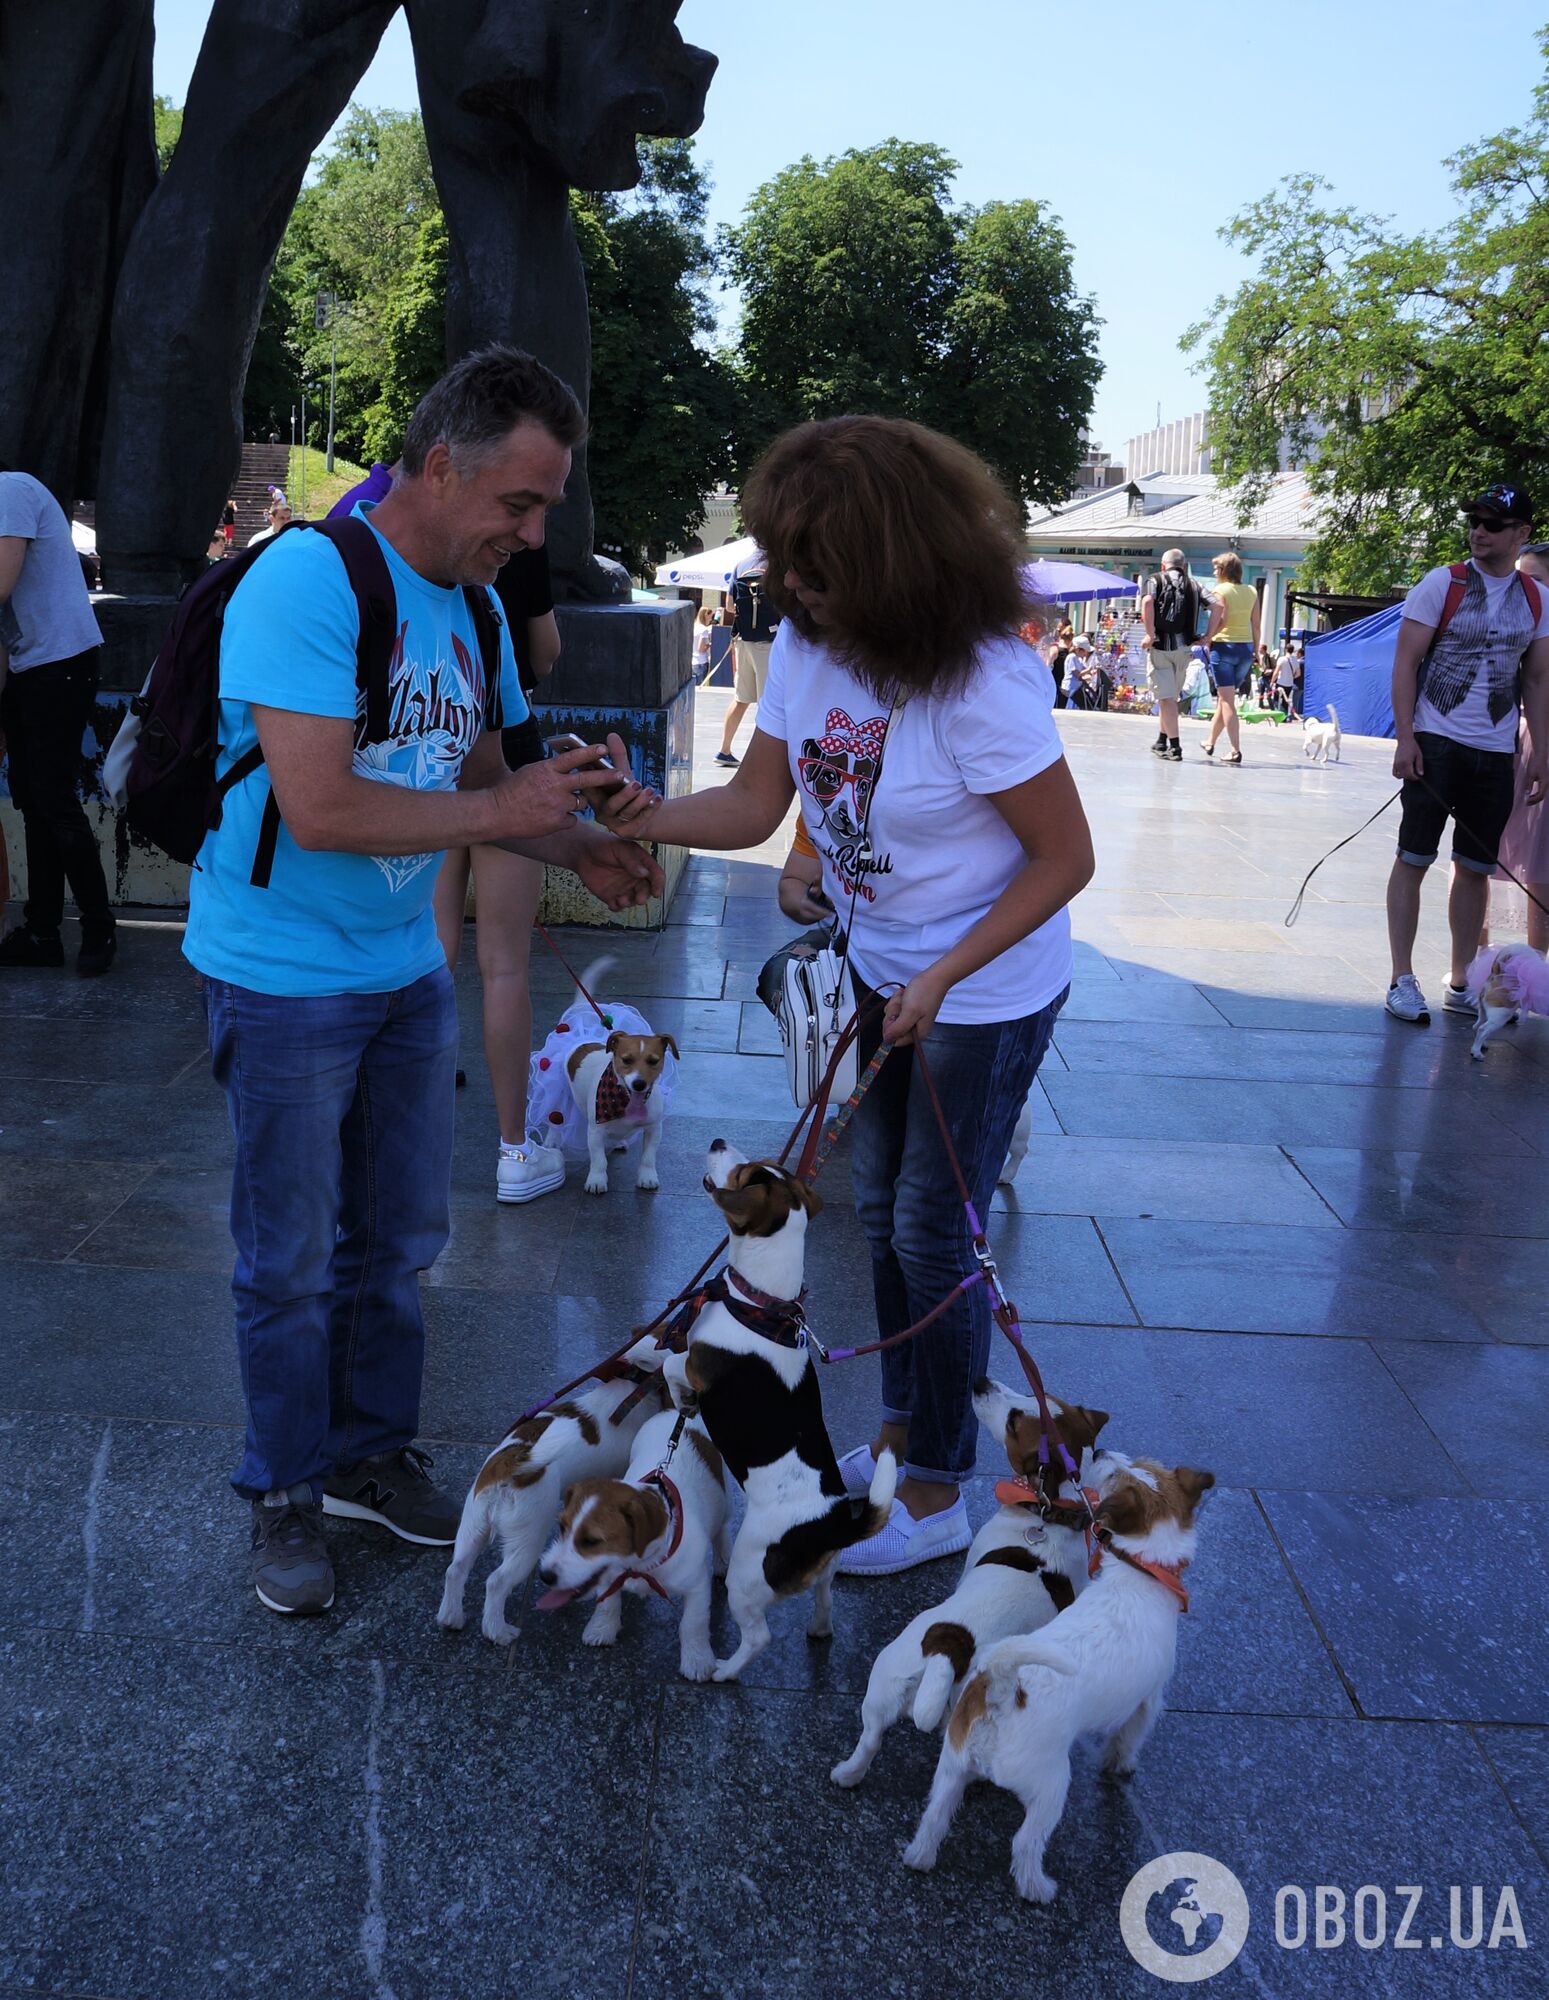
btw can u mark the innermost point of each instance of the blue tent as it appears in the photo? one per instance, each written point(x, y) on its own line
point(1353, 669)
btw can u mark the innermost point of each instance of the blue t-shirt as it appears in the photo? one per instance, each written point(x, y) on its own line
point(335, 923)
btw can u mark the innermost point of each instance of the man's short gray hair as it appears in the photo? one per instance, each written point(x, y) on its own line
point(1174, 559)
point(479, 402)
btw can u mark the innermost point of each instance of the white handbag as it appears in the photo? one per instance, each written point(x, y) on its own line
point(816, 1001)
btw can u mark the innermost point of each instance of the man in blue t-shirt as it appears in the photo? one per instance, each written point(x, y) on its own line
point(331, 1017)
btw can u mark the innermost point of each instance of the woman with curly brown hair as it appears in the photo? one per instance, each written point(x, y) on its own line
point(914, 726)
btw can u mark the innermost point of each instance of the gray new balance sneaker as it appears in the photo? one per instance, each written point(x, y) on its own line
point(289, 1562)
point(395, 1490)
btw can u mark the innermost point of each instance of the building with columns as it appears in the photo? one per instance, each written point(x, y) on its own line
point(1126, 529)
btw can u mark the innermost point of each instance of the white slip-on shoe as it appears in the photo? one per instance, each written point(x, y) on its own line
point(905, 1542)
point(1405, 1001)
point(858, 1469)
point(527, 1171)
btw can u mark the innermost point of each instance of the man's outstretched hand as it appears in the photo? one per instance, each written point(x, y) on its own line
point(618, 872)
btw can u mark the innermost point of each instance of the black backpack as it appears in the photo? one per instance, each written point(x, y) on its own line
point(754, 616)
point(160, 770)
point(1175, 607)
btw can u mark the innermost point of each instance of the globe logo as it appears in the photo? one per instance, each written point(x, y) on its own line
point(1184, 1917)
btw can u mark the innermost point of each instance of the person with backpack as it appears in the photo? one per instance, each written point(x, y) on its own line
point(1170, 613)
point(755, 622)
point(332, 1022)
point(45, 705)
point(1472, 653)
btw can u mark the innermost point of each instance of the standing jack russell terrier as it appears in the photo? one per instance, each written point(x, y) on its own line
point(654, 1529)
point(1099, 1669)
point(1020, 1572)
point(519, 1487)
point(749, 1366)
point(615, 1086)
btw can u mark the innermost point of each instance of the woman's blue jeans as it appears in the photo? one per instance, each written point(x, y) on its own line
point(342, 1111)
point(910, 1209)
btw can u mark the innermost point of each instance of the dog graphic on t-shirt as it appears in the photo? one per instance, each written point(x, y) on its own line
point(838, 770)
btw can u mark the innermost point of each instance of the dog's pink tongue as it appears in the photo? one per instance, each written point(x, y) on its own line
point(556, 1600)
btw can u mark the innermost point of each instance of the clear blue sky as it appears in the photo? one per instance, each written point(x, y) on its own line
point(1075, 105)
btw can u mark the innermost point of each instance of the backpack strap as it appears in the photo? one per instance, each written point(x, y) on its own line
point(487, 622)
point(376, 605)
point(1530, 591)
point(1457, 589)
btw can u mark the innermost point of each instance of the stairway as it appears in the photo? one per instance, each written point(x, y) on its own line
point(263, 466)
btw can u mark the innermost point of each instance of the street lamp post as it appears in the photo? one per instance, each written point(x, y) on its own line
point(326, 313)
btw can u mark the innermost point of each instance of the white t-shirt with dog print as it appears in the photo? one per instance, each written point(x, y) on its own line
point(940, 852)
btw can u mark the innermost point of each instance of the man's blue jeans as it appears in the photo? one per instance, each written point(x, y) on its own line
point(913, 1217)
point(342, 1111)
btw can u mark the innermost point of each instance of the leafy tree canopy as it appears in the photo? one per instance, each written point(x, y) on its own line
point(865, 290)
point(1416, 366)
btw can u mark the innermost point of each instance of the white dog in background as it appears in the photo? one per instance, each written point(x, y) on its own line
point(1322, 739)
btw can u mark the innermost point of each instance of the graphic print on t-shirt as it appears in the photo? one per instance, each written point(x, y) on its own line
point(435, 712)
point(838, 772)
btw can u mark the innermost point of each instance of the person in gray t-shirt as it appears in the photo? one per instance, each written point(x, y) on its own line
point(45, 706)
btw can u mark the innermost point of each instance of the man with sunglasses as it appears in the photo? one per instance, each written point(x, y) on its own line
point(1473, 650)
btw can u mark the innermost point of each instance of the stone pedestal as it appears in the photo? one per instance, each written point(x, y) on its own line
point(624, 667)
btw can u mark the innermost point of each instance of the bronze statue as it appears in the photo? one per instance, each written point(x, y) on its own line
point(522, 99)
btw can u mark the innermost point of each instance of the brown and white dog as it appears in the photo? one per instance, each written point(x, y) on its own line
point(615, 1086)
point(1099, 1669)
point(520, 1486)
point(1504, 980)
point(1020, 1572)
point(749, 1366)
point(646, 1531)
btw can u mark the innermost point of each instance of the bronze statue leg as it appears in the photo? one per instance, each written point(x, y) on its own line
point(272, 76)
point(77, 162)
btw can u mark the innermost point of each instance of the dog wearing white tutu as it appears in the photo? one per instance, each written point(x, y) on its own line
point(1502, 983)
point(600, 1081)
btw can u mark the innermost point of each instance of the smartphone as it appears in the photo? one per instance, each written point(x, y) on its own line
point(570, 741)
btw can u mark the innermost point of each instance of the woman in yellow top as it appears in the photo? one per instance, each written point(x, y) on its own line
point(1231, 643)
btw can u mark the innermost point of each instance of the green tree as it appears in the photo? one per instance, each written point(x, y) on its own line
point(356, 233)
point(864, 290)
point(413, 339)
point(1414, 367)
point(169, 128)
point(1021, 365)
point(662, 404)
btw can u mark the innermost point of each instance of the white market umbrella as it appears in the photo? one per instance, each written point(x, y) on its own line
point(716, 569)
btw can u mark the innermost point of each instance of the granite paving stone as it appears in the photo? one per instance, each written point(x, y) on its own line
point(47, 1207)
point(1430, 1188)
point(1274, 1232)
point(1436, 1607)
point(1490, 1405)
point(1244, 1277)
point(1201, 1181)
point(1276, 1800)
point(1520, 1759)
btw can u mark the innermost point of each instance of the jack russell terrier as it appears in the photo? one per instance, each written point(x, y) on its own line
point(748, 1365)
point(519, 1487)
point(1100, 1668)
point(1503, 982)
point(615, 1086)
point(1023, 1568)
point(651, 1530)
